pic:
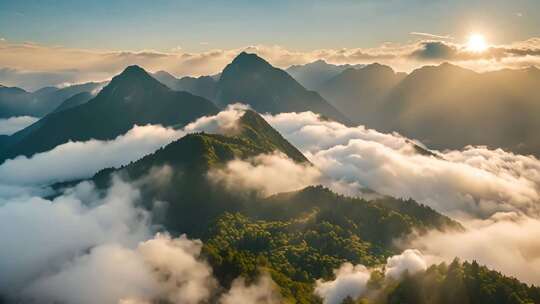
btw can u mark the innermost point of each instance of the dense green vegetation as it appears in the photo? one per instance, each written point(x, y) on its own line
point(303, 236)
point(297, 252)
point(465, 283)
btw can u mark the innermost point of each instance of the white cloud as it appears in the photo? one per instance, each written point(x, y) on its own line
point(351, 281)
point(262, 291)
point(86, 248)
point(39, 236)
point(161, 268)
point(76, 160)
point(262, 173)
point(225, 122)
point(11, 125)
point(410, 260)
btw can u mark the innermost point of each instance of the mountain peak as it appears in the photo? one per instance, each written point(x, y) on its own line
point(259, 132)
point(378, 66)
point(133, 76)
point(249, 59)
point(133, 70)
point(163, 73)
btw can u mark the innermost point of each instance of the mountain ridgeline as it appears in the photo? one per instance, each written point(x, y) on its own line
point(251, 80)
point(18, 102)
point(132, 97)
point(445, 106)
point(314, 74)
point(204, 86)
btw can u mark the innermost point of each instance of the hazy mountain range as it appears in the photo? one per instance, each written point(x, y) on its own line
point(445, 106)
point(133, 97)
point(204, 86)
point(314, 74)
point(18, 102)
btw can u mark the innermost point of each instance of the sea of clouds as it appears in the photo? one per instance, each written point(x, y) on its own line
point(69, 249)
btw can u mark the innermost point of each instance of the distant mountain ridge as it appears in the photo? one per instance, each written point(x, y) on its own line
point(204, 86)
point(133, 97)
point(18, 102)
point(444, 106)
point(359, 92)
point(314, 74)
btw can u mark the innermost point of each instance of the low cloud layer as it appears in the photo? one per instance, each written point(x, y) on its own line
point(11, 125)
point(475, 182)
point(33, 65)
point(51, 233)
point(83, 247)
point(495, 194)
point(76, 160)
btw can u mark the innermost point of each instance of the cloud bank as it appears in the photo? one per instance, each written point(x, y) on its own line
point(86, 247)
point(33, 65)
point(260, 174)
point(11, 125)
point(77, 160)
point(506, 242)
point(475, 182)
point(494, 193)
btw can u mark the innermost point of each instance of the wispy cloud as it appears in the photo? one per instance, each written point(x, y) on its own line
point(431, 36)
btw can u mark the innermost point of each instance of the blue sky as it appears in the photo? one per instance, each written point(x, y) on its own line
point(302, 25)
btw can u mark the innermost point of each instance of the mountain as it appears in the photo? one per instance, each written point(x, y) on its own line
point(166, 78)
point(302, 235)
point(444, 106)
point(314, 74)
point(18, 102)
point(133, 97)
point(193, 198)
point(251, 80)
point(204, 86)
point(449, 107)
point(359, 92)
point(73, 101)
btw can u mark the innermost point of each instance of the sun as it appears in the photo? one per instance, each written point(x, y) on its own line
point(477, 43)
